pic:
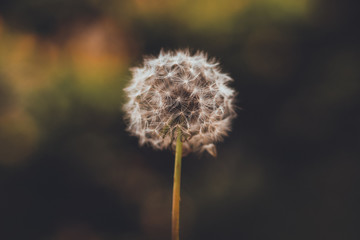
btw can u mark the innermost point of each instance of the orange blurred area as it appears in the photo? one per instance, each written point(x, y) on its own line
point(93, 52)
point(98, 51)
point(95, 55)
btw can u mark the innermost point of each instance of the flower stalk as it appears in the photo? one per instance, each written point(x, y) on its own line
point(175, 216)
point(179, 101)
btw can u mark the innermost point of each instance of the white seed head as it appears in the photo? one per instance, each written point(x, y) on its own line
point(177, 90)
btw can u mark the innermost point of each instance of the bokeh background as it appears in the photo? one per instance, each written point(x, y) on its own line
point(288, 170)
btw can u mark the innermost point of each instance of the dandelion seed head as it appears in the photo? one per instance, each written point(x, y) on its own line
point(179, 90)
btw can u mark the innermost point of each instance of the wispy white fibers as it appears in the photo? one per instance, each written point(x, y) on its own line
point(179, 91)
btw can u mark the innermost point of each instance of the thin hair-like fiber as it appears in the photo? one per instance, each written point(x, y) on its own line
point(177, 90)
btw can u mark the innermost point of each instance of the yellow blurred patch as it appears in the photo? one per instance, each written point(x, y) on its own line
point(195, 13)
point(215, 14)
point(27, 62)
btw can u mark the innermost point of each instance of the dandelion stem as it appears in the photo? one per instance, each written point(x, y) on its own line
point(176, 188)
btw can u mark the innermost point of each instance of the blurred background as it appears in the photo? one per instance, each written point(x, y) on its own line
point(288, 170)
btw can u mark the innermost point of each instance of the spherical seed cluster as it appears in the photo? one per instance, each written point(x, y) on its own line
point(177, 91)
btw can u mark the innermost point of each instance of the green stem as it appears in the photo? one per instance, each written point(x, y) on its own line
point(176, 189)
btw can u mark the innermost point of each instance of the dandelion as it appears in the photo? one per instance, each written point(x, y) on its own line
point(179, 91)
point(179, 101)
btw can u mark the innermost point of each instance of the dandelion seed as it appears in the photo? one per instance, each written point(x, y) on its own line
point(184, 92)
